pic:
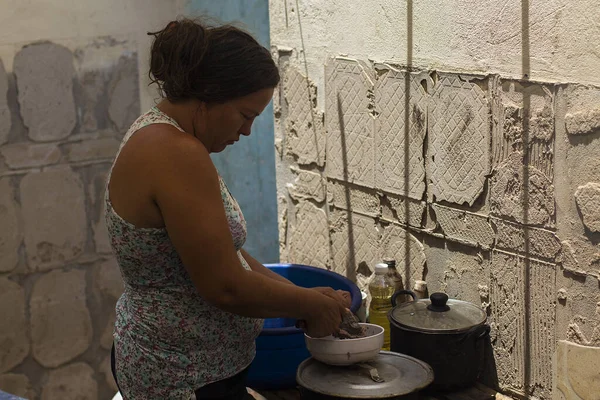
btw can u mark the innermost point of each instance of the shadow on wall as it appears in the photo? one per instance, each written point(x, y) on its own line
point(482, 185)
point(63, 112)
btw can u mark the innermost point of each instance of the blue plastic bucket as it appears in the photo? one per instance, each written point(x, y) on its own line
point(280, 348)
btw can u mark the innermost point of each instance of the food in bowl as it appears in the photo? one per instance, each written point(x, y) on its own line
point(335, 351)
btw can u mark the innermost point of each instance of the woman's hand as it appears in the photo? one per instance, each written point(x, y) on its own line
point(341, 296)
point(325, 320)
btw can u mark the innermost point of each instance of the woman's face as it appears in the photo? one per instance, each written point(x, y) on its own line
point(226, 122)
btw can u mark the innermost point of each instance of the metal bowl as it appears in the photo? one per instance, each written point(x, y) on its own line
point(334, 351)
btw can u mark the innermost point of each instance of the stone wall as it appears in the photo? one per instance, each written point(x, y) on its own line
point(481, 183)
point(63, 110)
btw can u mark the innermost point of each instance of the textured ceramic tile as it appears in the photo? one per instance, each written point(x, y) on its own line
point(349, 122)
point(402, 210)
point(531, 202)
point(309, 240)
point(352, 198)
point(307, 185)
point(400, 129)
point(464, 227)
point(523, 299)
point(515, 124)
point(511, 237)
point(459, 135)
point(304, 133)
point(282, 213)
point(354, 241)
point(407, 250)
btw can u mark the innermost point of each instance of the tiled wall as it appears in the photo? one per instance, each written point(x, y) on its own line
point(485, 187)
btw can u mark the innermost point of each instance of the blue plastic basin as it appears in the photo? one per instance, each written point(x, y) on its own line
point(280, 348)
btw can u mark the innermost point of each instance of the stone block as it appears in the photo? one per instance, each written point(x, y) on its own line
point(531, 202)
point(304, 130)
point(108, 280)
point(355, 241)
point(106, 340)
point(577, 372)
point(61, 326)
point(13, 329)
point(541, 243)
point(29, 155)
point(95, 149)
point(11, 233)
point(459, 118)
point(45, 74)
point(399, 209)
point(583, 109)
point(587, 198)
point(106, 371)
point(309, 240)
point(123, 93)
point(400, 128)
point(523, 301)
point(17, 384)
point(349, 120)
point(464, 227)
point(307, 185)
point(93, 84)
point(96, 190)
point(5, 115)
point(74, 381)
point(353, 198)
point(53, 205)
point(524, 112)
point(398, 244)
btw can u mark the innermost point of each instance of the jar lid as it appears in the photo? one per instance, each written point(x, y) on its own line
point(398, 375)
point(438, 314)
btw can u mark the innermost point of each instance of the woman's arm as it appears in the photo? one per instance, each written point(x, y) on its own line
point(339, 295)
point(261, 269)
point(185, 186)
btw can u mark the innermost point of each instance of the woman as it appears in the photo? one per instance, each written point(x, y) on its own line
point(194, 299)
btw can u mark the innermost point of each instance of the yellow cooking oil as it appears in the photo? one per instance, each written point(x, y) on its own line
point(381, 288)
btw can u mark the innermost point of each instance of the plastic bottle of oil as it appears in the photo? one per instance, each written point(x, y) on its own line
point(381, 288)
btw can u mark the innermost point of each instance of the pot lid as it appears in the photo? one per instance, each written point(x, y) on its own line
point(389, 375)
point(438, 314)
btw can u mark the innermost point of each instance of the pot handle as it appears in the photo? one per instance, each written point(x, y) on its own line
point(478, 332)
point(401, 292)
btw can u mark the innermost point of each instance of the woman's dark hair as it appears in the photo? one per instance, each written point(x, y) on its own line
point(189, 60)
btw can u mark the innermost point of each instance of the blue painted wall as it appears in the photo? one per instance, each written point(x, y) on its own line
point(248, 168)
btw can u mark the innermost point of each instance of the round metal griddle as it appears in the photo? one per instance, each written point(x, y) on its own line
point(398, 375)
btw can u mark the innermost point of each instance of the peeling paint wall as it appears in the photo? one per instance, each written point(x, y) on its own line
point(464, 146)
point(72, 77)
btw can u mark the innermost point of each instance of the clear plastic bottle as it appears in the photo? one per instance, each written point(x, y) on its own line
point(394, 274)
point(381, 288)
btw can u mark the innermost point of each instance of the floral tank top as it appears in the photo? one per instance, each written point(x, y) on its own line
point(168, 340)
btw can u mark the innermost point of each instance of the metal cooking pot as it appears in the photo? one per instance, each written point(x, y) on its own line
point(447, 334)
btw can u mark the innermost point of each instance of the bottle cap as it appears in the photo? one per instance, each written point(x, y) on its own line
point(390, 263)
point(381, 269)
